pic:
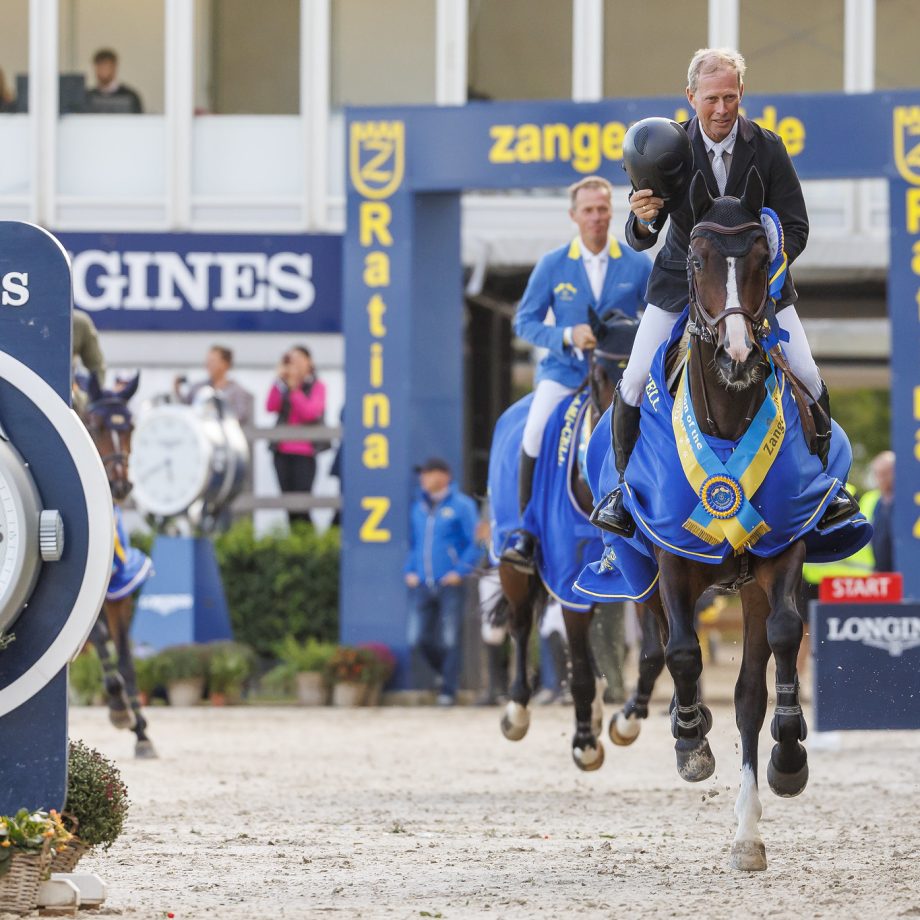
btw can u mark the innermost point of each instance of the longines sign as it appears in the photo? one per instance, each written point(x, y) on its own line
point(218, 282)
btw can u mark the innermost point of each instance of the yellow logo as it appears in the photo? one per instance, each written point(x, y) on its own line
point(907, 142)
point(377, 157)
point(565, 291)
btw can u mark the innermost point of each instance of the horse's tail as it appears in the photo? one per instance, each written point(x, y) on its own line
point(498, 613)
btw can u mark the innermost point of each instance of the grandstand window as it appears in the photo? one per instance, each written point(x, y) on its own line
point(676, 30)
point(897, 64)
point(520, 49)
point(383, 53)
point(791, 46)
point(134, 31)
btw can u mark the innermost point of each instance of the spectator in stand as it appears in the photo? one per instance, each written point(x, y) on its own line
point(299, 398)
point(110, 95)
point(218, 364)
point(443, 550)
point(882, 543)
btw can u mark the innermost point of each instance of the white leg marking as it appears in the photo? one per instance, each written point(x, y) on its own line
point(738, 349)
point(628, 726)
point(597, 707)
point(517, 714)
point(748, 809)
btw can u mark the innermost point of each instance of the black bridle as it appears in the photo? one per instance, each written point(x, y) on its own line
point(702, 325)
point(111, 414)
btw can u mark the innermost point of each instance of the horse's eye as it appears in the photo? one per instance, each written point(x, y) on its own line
point(697, 263)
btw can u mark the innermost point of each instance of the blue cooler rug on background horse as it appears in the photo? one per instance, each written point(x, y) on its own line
point(567, 541)
point(704, 498)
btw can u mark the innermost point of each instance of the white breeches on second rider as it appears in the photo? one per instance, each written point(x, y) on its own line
point(547, 395)
point(656, 326)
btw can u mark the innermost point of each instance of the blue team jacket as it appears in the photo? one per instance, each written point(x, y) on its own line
point(443, 537)
point(559, 281)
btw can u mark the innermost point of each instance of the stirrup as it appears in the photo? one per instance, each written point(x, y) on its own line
point(841, 508)
point(611, 515)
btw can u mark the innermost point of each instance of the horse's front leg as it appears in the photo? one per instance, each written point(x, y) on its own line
point(748, 852)
point(119, 614)
point(690, 719)
point(587, 751)
point(787, 772)
point(120, 713)
point(627, 723)
point(518, 589)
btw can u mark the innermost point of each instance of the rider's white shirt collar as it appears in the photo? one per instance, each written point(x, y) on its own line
point(728, 145)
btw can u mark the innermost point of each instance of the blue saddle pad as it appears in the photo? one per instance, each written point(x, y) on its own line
point(130, 567)
point(791, 499)
point(567, 541)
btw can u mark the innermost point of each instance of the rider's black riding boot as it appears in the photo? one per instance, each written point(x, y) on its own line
point(521, 544)
point(843, 506)
point(611, 513)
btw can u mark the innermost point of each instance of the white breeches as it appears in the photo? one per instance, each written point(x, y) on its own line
point(656, 326)
point(546, 397)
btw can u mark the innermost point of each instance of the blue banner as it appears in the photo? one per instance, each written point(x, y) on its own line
point(208, 282)
point(866, 665)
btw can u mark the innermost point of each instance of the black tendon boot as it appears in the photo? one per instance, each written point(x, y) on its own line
point(611, 513)
point(521, 544)
point(843, 506)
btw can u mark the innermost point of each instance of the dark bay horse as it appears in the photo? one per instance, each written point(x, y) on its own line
point(108, 419)
point(524, 594)
point(726, 369)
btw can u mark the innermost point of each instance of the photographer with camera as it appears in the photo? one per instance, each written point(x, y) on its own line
point(299, 398)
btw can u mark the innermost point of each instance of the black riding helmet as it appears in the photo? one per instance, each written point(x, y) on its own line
point(657, 155)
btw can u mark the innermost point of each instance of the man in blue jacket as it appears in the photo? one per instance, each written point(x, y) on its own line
point(443, 550)
point(590, 271)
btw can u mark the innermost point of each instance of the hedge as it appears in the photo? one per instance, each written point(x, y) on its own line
point(277, 585)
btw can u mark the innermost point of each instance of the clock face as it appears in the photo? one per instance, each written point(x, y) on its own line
point(170, 460)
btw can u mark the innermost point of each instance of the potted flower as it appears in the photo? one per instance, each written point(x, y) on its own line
point(381, 672)
point(306, 664)
point(97, 804)
point(184, 670)
point(349, 671)
point(148, 675)
point(25, 848)
point(229, 666)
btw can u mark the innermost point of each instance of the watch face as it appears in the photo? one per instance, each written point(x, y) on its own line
point(170, 460)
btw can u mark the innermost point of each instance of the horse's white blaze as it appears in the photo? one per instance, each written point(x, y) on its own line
point(517, 714)
point(738, 347)
point(748, 809)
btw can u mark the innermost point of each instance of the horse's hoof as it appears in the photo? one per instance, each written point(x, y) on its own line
point(624, 729)
point(122, 718)
point(515, 721)
point(694, 760)
point(787, 785)
point(589, 758)
point(749, 856)
point(144, 750)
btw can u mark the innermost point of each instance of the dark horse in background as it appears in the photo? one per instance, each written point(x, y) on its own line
point(108, 419)
point(729, 357)
point(524, 594)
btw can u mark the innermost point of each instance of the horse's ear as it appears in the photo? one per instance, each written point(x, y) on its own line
point(93, 390)
point(130, 388)
point(753, 194)
point(700, 199)
point(595, 322)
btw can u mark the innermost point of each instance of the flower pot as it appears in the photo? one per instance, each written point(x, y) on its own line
point(218, 699)
point(374, 693)
point(66, 859)
point(19, 887)
point(185, 692)
point(311, 689)
point(348, 694)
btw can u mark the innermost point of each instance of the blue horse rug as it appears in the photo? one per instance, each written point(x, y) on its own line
point(704, 497)
point(130, 567)
point(567, 540)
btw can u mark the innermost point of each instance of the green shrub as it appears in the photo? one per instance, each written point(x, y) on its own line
point(86, 676)
point(310, 656)
point(229, 665)
point(148, 672)
point(182, 662)
point(280, 585)
point(96, 796)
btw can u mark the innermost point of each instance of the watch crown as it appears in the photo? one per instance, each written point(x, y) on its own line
point(51, 535)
